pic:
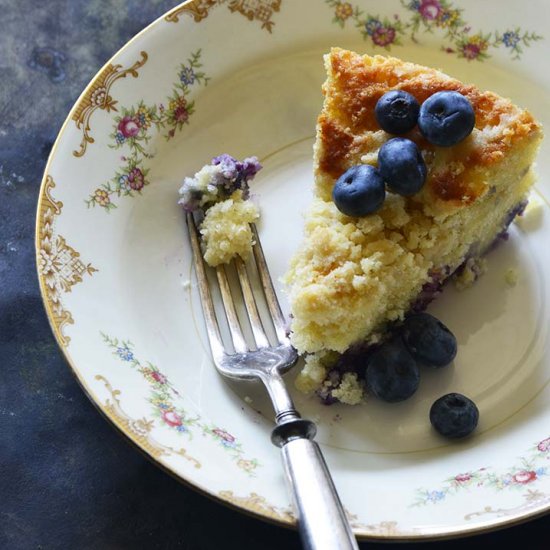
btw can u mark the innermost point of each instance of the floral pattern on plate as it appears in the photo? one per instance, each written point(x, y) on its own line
point(528, 470)
point(140, 429)
point(168, 406)
point(137, 125)
point(429, 16)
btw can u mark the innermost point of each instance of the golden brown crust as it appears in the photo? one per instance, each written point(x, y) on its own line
point(449, 187)
point(354, 85)
point(336, 146)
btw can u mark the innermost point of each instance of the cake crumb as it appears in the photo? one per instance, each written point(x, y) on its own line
point(532, 215)
point(370, 158)
point(186, 284)
point(350, 390)
point(248, 399)
point(473, 269)
point(511, 276)
point(314, 372)
point(226, 229)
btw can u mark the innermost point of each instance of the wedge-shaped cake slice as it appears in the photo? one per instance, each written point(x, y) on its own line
point(351, 277)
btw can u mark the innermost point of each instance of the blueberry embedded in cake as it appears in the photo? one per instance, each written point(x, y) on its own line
point(355, 274)
point(220, 190)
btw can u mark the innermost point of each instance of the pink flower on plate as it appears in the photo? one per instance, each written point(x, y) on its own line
point(544, 445)
point(224, 435)
point(383, 36)
point(159, 377)
point(171, 418)
point(181, 114)
point(128, 127)
point(136, 181)
point(430, 9)
point(462, 478)
point(524, 477)
point(471, 51)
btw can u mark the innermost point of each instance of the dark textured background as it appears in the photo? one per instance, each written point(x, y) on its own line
point(67, 479)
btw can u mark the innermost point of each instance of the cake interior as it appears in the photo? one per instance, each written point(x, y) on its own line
point(339, 377)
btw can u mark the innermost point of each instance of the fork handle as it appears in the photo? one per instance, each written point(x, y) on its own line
point(322, 520)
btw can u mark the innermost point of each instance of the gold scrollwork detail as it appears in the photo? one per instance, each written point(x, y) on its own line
point(197, 9)
point(258, 504)
point(253, 10)
point(533, 499)
point(59, 265)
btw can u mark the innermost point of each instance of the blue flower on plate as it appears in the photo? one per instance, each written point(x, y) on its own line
point(372, 25)
point(123, 182)
point(510, 39)
point(125, 353)
point(187, 76)
point(435, 496)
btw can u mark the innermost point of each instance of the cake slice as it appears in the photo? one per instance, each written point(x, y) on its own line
point(353, 277)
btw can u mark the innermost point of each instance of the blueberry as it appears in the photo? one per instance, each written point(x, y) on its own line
point(397, 112)
point(359, 191)
point(392, 374)
point(446, 118)
point(428, 340)
point(401, 165)
point(454, 415)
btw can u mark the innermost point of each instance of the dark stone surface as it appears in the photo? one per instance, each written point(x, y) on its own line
point(67, 479)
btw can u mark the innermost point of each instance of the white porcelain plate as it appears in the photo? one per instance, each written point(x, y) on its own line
point(244, 77)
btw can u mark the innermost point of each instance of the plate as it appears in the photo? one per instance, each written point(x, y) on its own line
point(244, 77)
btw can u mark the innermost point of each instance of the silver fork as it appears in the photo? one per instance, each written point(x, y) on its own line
point(322, 520)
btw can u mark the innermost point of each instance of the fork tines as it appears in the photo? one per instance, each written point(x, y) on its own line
point(234, 325)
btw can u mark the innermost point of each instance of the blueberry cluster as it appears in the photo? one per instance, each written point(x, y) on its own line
point(393, 372)
point(444, 119)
